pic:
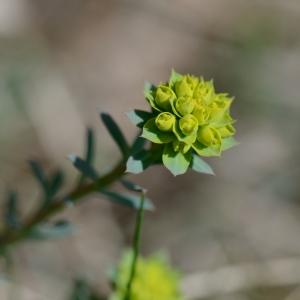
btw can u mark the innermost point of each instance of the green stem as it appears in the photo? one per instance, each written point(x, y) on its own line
point(135, 246)
point(9, 237)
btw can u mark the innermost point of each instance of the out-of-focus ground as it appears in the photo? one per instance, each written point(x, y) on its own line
point(62, 62)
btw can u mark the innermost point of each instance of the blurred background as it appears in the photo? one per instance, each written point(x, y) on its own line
point(234, 236)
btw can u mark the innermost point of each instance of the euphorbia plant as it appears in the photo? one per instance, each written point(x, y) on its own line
point(187, 120)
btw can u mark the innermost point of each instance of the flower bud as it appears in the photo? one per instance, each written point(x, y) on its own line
point(226, 131)
point(209, 136)
point(185, 105)
point(204, 92)
point(164, 95)
point(188, 124)
point(201, 113)
point(219, 108)
point(165, 121)
point(186, 86)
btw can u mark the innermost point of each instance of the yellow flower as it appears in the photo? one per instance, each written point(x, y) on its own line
point(209, 136)
point(226, 131)
point(188, 117)
point(188, 124)
point(154, 280)
point(186, 86)
point(201, 112)
point(164, 96)
point(204, 92)
point(185, 105)
point(165, 121)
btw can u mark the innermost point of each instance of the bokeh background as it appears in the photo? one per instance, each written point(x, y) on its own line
point(234, 236)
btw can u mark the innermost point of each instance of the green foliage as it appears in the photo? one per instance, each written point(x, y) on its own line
point(131, 186)
point(12, 217)
point(116, 133)
point(139, 162)
point(48, 231)
point(50, 185)
point(89, 151)
point(128, 200)
point(139, 117)
point(83, 167)
point(201, 166)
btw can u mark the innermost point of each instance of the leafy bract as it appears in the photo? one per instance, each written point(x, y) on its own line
point(176, 162)
point(153, 134)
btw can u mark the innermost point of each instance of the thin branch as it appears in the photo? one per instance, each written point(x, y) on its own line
point(9, 237)
point(135, 246)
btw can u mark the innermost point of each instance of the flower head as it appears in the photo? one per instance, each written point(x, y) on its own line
point(189, 118)
point(154, 279)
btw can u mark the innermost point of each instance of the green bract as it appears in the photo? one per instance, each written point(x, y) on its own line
point(188, 118)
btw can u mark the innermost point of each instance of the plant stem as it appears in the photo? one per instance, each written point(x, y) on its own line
point(9, 237)
point(135, 246)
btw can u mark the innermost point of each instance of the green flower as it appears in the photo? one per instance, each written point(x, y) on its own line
point(164, 96)
point(219, 108)
point(204, 92)
point(186, 86)
point(154, 279)
point(202, 113)
point(209, 136)
point(227, 131)
point(188, 119)
point(188, 124)
point(165, 121)
point(184, 105)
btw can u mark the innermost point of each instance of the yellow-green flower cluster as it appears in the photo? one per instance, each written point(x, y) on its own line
point(190, 117)
point(154, 279)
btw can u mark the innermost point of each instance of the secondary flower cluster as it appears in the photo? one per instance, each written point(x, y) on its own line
point(154, 279)
point(189, 117)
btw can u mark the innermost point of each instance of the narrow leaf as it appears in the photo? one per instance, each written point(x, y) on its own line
point(51, 231)
point(116, 133)
point(139, 117)
point(83, 167)
point(201, 166)
point(56, 182)
point(12, 218)
point(138, 145)
point(89, 151)
point(132, 201)
point(131, 186)
point(39, 174)
point(90, 146)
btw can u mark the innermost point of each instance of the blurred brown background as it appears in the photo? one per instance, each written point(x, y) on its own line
point(62, 62)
